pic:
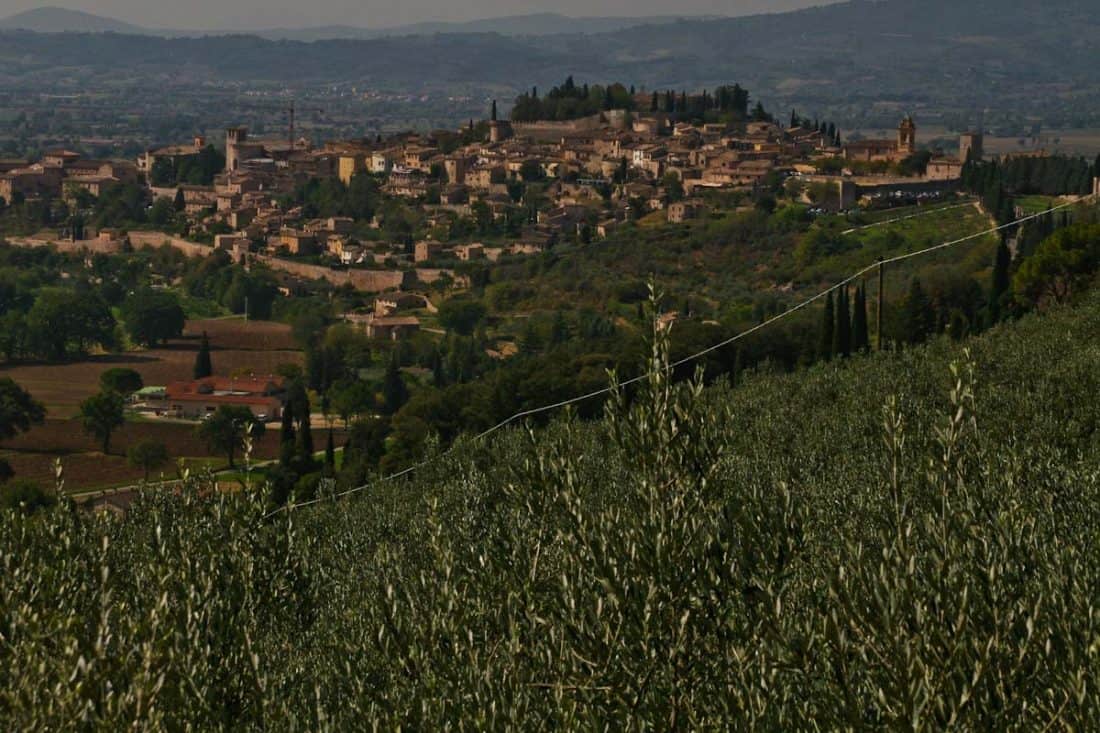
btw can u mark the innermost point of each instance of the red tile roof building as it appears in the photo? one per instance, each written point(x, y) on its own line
point(265, 396)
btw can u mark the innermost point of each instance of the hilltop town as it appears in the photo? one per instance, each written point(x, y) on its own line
point(401, 277)
point(497, 187)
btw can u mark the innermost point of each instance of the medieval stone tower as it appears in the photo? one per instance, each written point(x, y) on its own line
point(907, 136)
point(234, 137)
point(971, 144)
point(499, 130)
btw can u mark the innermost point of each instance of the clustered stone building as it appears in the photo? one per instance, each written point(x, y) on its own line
point(599, 172)
point(62, 173)
point(595, 174)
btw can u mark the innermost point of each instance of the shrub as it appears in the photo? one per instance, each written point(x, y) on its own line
point(25, 496)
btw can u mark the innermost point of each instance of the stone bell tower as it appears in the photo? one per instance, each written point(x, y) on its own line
point(234, 136)
point(907, 136)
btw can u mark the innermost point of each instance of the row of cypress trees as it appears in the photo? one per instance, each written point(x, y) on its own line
point(844, 330)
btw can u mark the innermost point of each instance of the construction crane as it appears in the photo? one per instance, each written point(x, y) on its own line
point(291, 110)
point(290, 113)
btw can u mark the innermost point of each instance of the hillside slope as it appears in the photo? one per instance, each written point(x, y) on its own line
point(891, 542)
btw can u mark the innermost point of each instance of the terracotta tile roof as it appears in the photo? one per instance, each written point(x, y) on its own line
point(252, 390)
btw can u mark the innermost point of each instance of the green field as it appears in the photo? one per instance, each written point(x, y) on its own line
point(864, 247)
point(1036, 204)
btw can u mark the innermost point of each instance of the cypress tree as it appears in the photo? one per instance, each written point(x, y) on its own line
point(530, 340)
point(305, 435)
point(204, 367)
point(180, 202)
point(559, 330)
point(304, 448)
point(330, 451)
point(439, 370)
point(918, 315)
point(861, 341)
point(735, 379)
point(827, 328)
point(842, 335)
point(287, 435)
point(1000, 284)
point(394, 392)
point(493, 113)
point(300, 401)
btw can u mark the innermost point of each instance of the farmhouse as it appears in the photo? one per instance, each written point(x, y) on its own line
point(427, 250)
point(682, 211)
point(297, 242)
point(393, 328)
point(264, 396)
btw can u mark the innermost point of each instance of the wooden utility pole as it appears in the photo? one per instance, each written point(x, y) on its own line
point(881, 291)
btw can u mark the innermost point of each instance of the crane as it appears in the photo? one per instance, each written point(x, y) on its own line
point(290, 113)
point(291, 110)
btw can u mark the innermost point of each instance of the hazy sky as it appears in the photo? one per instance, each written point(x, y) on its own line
point(243, 14)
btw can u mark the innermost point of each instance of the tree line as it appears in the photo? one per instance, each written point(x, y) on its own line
point(570, 101)
point(997, 182)
point(729, 102)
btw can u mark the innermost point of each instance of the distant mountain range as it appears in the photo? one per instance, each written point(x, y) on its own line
point(865, 61)
point(538, 24)
point(63, 20)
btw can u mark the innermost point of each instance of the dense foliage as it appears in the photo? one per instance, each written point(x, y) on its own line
point(883, 542)
point(58, 306)
point(152, 317)
point(997, 182)
point(570, 101)
point(540, 329)
point(198, 170)
point(18, 412)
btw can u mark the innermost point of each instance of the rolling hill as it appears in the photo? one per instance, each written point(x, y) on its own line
point(63, 20)
point(535, 24)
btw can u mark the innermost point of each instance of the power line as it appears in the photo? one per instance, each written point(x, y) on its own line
point(764, 324)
